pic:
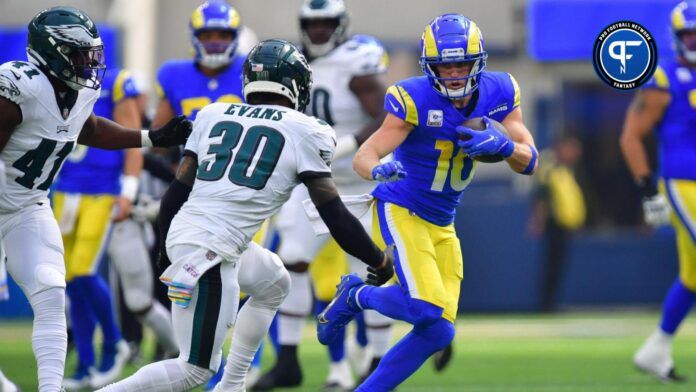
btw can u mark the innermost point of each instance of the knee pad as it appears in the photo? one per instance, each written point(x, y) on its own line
point(273, 294)
point(424, 313)
point(439, 333)
point(47, 277)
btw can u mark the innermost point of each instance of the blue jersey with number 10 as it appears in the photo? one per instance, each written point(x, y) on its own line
point(438, 170)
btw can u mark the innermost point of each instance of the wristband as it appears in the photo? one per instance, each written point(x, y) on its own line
point(129, 187)
point(145, 140)
point(647, 186)
point(530, 168)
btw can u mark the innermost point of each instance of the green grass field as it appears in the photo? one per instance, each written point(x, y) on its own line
point(564, 353)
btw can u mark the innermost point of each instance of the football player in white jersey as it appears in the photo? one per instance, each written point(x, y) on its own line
point(45, 108)
point(240, 166)
point(348, 94)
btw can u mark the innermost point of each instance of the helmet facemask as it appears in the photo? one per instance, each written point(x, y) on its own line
point(337, 37)
point(470, 81)
point(214, 54)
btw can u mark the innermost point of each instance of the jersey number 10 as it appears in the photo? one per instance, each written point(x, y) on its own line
point(459, 168)
point(254, 161)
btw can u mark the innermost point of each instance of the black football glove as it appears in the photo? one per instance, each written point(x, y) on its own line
point(377, 276)
point(173, 133)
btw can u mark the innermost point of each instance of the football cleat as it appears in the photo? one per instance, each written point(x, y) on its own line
point(655, 358)
point(81, 380)
point(339, 312)
point(114, 358)
point(339, 378)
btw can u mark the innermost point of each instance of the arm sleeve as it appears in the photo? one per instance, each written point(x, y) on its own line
point(172, 200)
point(124, 87)
point(315, 152)
point(349, 233)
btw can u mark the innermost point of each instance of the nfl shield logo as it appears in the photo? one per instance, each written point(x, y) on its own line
point(256, 67)
point(210, 255)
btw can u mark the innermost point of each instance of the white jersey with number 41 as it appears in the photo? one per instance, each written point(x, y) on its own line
point(38, 146)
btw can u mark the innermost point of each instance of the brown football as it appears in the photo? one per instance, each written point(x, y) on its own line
point(477, 124)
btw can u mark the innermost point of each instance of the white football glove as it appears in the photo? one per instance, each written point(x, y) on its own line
point(146, 209)
point(656, 210)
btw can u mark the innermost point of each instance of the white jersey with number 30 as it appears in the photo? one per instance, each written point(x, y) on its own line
point(250, 157)
point(38, 146)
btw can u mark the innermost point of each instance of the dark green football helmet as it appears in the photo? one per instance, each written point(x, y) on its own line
point(278, 67)
point(64, 42)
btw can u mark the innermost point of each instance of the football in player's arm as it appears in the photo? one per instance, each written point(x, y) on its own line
point(395, 130)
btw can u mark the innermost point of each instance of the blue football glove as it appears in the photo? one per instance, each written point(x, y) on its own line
point(490, 141)
point(390, 171)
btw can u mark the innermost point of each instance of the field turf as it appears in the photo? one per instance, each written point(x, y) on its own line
point(561, 353)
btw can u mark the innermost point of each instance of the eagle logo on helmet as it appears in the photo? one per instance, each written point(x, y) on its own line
point(73, 34)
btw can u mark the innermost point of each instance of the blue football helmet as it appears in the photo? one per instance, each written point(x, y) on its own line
point(453, 38)
point(214, 15)
point(684, 19)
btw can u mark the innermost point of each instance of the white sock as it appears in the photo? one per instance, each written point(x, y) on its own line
point(250, 329)
point(295, 309)
point(159, 320)
point(172, 375)
point(49, 338)
point(378, 332)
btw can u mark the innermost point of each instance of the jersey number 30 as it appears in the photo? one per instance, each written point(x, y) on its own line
point(254, 161)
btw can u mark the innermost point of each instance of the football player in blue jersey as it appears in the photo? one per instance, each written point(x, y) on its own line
point(95, 188)
point(665, 104)
point(213, 75)
point(418, 192)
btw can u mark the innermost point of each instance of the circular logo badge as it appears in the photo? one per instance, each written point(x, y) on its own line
point(625, 55)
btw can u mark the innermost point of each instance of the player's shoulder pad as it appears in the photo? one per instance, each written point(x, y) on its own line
point(19, 81)
point(364, 55)
point(124, 86)
point(669, 75)
point(502, 86)
point(403, 98)
point(171, 73)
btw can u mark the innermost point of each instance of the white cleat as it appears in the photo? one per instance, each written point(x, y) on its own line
point(340, 377)
point(101, 379)
point(218, 388)
point(655, 357)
